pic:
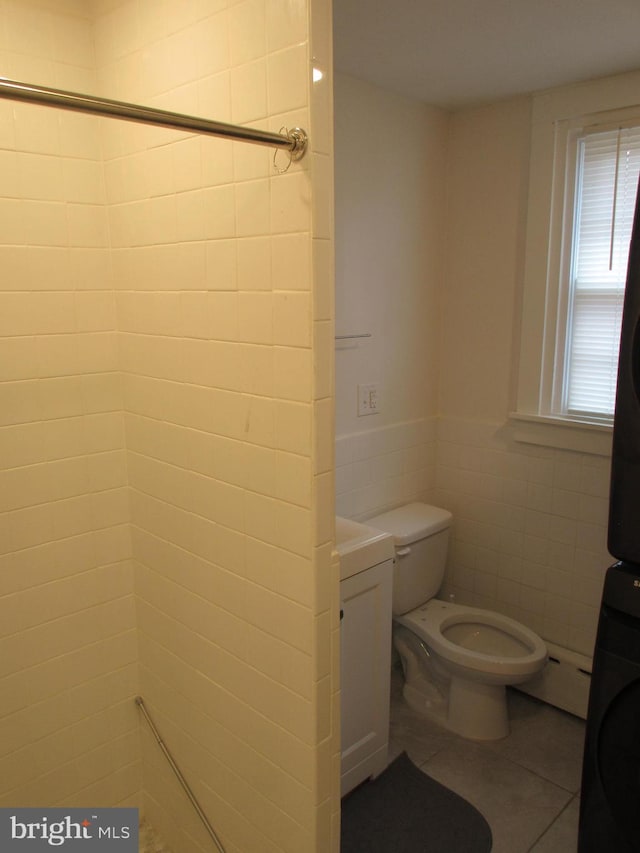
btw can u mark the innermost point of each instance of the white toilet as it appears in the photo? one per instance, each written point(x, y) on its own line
point(456, 659)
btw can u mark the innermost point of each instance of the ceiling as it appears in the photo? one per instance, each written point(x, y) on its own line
point(454, 53)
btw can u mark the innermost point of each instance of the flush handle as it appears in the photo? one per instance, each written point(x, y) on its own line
point(402, 552)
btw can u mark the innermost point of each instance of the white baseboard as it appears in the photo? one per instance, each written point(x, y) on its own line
point(564, 682)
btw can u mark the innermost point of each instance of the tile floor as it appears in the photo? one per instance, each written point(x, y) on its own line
point(526, 785)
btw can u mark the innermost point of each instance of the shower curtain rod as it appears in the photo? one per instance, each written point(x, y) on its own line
point(295, 141)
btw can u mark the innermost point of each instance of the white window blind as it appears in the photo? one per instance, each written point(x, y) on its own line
point(607, 168)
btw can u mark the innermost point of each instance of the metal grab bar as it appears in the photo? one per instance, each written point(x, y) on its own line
point(295, 141)
point(181, 779)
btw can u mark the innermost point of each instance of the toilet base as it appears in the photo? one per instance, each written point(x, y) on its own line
point(473, 711)
point(478, 711)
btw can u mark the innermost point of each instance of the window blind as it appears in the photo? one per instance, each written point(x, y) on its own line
point(608, 165)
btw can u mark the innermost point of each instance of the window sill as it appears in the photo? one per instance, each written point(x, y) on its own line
point(547, 431)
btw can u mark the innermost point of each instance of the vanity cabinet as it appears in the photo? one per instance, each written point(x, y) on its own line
point(365, 659)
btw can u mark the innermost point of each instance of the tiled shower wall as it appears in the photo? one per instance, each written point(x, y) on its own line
point(222, 368)
point(213, 263)
point(68, 730)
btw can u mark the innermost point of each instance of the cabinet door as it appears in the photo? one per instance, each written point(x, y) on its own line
point(365, 657)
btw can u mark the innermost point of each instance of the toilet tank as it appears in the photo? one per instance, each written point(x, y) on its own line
point(421, 536)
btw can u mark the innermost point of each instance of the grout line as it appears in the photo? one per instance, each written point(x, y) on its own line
point(555, 820)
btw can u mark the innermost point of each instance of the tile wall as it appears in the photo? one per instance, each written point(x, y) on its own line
point(383, 468)
point(226, 409)
point(326, 582)
point(530, 529)
point(389, 256)
point(68, 730)
point(201, 342)
point(529, 522)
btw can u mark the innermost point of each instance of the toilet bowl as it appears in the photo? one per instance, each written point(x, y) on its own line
point(477, 652)
point(457, 660)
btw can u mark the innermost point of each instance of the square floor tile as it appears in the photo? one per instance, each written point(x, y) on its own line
point(525, 784)
point(562, 835)
point(545, 740)
point(518, 804)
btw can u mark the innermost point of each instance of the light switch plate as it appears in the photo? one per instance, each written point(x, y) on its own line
point(368, 399)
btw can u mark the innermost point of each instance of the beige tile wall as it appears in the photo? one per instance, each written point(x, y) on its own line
point(202, 341)
point(530, 521)
point(227, 419)
point(68, 651)
point(530, 529)
point(325, 594)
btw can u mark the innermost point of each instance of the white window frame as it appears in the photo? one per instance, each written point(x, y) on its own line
point(613, 124)
point(556, 116)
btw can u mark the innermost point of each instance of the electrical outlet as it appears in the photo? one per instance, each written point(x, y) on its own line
point(368, 400)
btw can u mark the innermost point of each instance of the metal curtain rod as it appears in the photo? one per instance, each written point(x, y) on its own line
point(295, 141)
point(185, 785)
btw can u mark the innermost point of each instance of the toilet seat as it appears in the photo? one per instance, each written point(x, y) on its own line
point(520, 657)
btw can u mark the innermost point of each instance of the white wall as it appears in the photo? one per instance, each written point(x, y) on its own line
point(390, 167)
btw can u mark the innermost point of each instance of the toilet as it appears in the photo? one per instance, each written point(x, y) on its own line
point(457, 660)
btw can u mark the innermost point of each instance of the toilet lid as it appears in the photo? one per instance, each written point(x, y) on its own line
point(412, 522)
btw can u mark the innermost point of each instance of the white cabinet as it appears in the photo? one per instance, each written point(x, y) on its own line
point(365, 658)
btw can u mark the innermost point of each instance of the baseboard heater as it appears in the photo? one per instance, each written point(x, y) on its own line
point(564, 682)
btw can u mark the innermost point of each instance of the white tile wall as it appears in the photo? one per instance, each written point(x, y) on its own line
point(383, 468)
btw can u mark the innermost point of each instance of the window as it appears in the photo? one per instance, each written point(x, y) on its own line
point(603, 170)
point(584, 166)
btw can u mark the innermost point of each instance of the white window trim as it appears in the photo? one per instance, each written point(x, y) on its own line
point(554, 115)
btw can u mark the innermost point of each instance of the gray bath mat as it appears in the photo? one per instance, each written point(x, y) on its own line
point(405, 811)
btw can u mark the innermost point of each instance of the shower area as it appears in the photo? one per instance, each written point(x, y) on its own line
point(166, 422)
